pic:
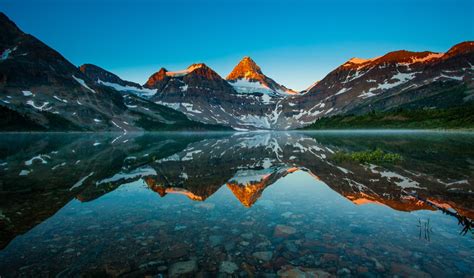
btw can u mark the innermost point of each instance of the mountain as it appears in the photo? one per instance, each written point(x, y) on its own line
point(41, 90)
point(248, 185)
point(246, 100)
point(247, 77)
point(196, 79)
point(103, 77)
point(203, 95)
point(399, 79)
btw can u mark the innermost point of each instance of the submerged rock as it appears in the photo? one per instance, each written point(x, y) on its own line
point(283, 231)
point(264, 256)
point(181, 268)
point(292, 271)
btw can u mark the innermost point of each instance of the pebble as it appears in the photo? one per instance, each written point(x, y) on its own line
point(247, 236)
point(343, 272)
point(215, 240)
point(117, 268)
point(228, 267)
point(244, 243)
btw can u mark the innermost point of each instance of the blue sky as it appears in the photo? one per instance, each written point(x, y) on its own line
point(295, 42)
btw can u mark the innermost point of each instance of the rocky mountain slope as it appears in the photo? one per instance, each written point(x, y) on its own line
point(41, 90)
point(400, 79)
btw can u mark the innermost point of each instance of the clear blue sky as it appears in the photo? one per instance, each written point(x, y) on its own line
point(295, 42)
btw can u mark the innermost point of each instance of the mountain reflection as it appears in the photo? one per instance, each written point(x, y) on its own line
point(41, 173)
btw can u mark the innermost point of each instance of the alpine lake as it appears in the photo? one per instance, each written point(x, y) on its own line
point(256, 204)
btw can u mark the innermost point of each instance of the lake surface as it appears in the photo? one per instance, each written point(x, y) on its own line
point(245, 204)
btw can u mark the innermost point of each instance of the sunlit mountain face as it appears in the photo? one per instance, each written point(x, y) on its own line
point(248, 204)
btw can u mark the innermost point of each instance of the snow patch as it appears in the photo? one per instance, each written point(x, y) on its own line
point(60, 99)
point(138, 173)
point(138, 91)
point(400, 77)
point(24, 173)
point(81, 181)
point(429, 57)
point(82, 83)
point(40, 157)
point(41, 107)
point(174, 106)
point(184, 88)
point(404, 181)
point(7, 53)
point(245, 86)
point(343, 90)
point(189, 108)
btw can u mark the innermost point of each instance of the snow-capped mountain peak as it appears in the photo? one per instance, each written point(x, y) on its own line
point(247, 77)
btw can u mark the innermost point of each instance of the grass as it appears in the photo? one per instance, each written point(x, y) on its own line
point(373, 156)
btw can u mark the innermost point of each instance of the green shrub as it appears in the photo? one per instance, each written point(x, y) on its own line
point(376, 155)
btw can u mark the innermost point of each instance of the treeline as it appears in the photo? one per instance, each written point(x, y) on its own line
point(461, 117)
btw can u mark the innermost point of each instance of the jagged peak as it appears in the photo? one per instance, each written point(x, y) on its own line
point(162, 71)
point(356, 60)
point(463, 47)
point(189, 69)
point(196, 66)
point(85, 67)
point(197, 69)
point(5, 20)
point(398, 56)
point(246, 69)
point(9, 29)
point(202, 70)
point(405, 55)
point(156, 77)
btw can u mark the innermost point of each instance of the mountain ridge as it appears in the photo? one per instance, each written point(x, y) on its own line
point(393, 80)
point(39, 84)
